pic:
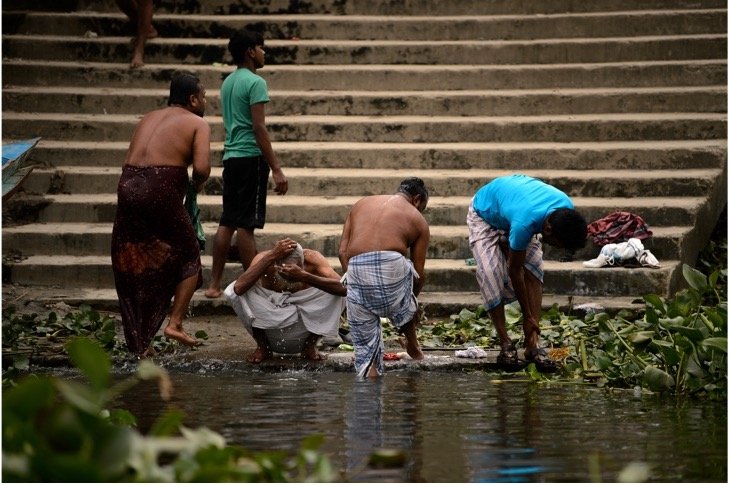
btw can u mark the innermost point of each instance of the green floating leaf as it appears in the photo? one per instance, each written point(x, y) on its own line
point(719, 343)
point(91, 359)
point(657, 379)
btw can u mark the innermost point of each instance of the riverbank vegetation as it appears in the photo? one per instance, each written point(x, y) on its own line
point(63, 430)
point(676, 345)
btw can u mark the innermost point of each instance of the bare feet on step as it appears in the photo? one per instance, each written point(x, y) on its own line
point(212, 293)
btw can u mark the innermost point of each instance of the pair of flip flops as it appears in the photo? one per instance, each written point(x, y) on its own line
point(509, 361)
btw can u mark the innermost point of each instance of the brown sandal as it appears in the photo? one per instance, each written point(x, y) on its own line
point(539, 357)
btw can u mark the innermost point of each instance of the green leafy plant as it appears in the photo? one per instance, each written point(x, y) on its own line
point(61, 431)
point(677, 345)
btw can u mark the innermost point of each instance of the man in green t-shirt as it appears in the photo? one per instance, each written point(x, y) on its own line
point(247, 156)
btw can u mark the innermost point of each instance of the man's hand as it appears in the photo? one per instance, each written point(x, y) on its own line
point(281, 184)
point(283, 248)
point(292, 272)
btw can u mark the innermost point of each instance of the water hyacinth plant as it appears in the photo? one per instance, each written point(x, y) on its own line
point(677, 345)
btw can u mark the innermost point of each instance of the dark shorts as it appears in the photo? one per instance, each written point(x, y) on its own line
point(245, 182)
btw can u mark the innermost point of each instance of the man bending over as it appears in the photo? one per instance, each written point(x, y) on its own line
point(380, 231)
point(287, 299)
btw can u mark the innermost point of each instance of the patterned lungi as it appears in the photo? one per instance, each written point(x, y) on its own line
point(379, 284)
point(492, 272)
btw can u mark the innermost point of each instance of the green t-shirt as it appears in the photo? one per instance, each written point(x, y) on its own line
point(241, 89)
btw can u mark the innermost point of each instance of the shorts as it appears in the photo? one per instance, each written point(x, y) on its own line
point(245, 182)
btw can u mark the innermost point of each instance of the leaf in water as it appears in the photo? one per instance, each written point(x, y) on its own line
point(695, 278)
point(719, 343)
point(657, 379)
point(91, 359)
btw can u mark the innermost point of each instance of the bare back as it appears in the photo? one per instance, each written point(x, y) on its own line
point(385, 223)
point(170, 136)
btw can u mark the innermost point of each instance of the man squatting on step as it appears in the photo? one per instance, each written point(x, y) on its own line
point(287, 299)
point(247, 156)
point(155, 252)
point(379, 232)
point(504, 219)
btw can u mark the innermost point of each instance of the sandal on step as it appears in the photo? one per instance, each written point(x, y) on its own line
point(508, 360)
point(539, 357)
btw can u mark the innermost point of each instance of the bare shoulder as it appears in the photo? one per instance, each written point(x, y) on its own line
point(313, 256)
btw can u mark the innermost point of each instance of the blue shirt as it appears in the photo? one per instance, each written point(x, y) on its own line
point(241, 89)
point(519, 205)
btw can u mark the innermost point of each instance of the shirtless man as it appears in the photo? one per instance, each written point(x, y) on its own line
point(380, 231)
point(155, 252)
point(287, 299)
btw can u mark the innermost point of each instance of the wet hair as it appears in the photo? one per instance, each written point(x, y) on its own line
point(569, 227)
point(241, 41)
point(413, 186)
point(295, 257)
point(182, 86)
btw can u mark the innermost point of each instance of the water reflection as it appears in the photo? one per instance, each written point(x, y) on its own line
point(455, 427)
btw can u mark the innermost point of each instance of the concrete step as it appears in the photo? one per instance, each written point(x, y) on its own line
point(335, 52)
point(389, 129)
point(447, 242)
point(435, 304)
point(101, 100)
point(22, 72)
point(618, 155)
point(441, 275)
point(388, 27)
point(384, 7)
point(440, 183)
point(292, 209)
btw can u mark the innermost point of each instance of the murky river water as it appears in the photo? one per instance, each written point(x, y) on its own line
point(455, 427)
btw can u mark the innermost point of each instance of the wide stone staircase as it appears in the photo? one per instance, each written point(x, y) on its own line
point(622, 104)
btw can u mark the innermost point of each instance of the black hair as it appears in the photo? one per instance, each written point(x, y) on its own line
point(413, 186)
point(569, 227)
point(182, 86)
point(241, 41)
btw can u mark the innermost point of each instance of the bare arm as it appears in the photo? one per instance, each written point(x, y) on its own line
point(260, 264)
point(344, 244)
point(201, 154)
point(418, 256)
point(258, 117)
point(321, 274)
point(516, 268)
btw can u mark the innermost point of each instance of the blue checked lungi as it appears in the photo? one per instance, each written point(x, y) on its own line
point(492, 272)
point(379, 284)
